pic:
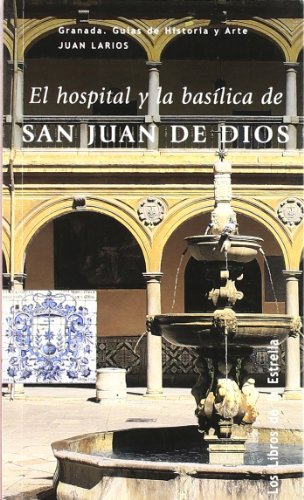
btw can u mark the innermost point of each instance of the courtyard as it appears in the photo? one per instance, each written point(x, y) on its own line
point(49, 414)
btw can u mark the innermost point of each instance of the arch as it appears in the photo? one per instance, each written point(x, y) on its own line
point(48, 46)
point(7, 90)
point(35, 30)
point(260, 212)
point(298, 248)
point(84, 250)
point(298, 52)
point(270, 29)
point(8, 41)
point(254, 46)
point(301, 293)
point(254, 209)
point(278, 34)
point(6, 241)
point(286, 34)
point(4, 263)
point(54, 208)
point(4, 279)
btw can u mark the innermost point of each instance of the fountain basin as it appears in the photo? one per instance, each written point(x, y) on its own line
point(87, 468)
point(198, 329)
point(207, 247)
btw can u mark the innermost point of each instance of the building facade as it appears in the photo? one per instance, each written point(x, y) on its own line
point(112, 119)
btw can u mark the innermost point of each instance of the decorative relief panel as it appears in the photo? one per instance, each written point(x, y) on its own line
point(49, 336)
point(291, 211)
point(151, 211)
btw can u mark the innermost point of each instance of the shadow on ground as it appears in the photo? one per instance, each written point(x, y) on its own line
point(40, 494)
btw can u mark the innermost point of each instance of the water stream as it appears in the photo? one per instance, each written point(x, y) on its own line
point(176, 277)
point(271, 280)
point(225, 332)
point(226, 259)
point(226, 356)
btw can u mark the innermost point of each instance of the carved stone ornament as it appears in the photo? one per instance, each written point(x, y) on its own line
point(295, 326)
point(291, 212)
point(225, 319)
point(227, 398)
point(151, 211)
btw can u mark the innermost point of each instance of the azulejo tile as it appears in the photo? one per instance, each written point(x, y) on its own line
point(49, 336)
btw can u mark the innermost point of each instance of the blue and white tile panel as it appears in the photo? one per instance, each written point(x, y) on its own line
point(49, 336)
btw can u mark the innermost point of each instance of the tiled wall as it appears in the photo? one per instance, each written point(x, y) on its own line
point(49, 336)
point(178, 362)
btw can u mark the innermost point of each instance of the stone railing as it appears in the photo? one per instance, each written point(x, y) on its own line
point(143, 132)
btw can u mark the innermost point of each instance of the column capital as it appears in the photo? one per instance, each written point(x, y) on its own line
point(20, 64)
point(18, 282)
point(153, 277)
point(290, 274)
point(153, 64)
point(291, 65)
point(6, 279)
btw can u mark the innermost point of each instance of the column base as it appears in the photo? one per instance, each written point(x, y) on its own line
point(289, 394)
point(154, 395)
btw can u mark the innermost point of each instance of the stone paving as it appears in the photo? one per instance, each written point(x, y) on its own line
point(48, 414)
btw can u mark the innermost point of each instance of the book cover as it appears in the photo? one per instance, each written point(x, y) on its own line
point(128, 128)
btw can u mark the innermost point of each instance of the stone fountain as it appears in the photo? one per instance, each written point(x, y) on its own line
point(94, 466)
point(225, 392)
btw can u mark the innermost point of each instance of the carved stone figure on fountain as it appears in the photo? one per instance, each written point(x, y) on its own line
point(226, 293)
point(204, 380)
point(225, 403)
point(251, 396)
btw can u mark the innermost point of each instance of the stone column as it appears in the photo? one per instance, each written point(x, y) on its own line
point(154, 343)
point(15, 390)
point(18, 89)
point(293, 368)
point(19, 279)
point(17, 285)
point(153, 106)
point(291, 114)
point(84, 136)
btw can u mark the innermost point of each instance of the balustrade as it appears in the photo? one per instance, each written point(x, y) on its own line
point(172, 131)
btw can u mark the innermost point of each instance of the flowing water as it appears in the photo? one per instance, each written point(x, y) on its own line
point(176, 277)
point(226, 356)
point(271, 280)
point(226, 333)
point(226, 259)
